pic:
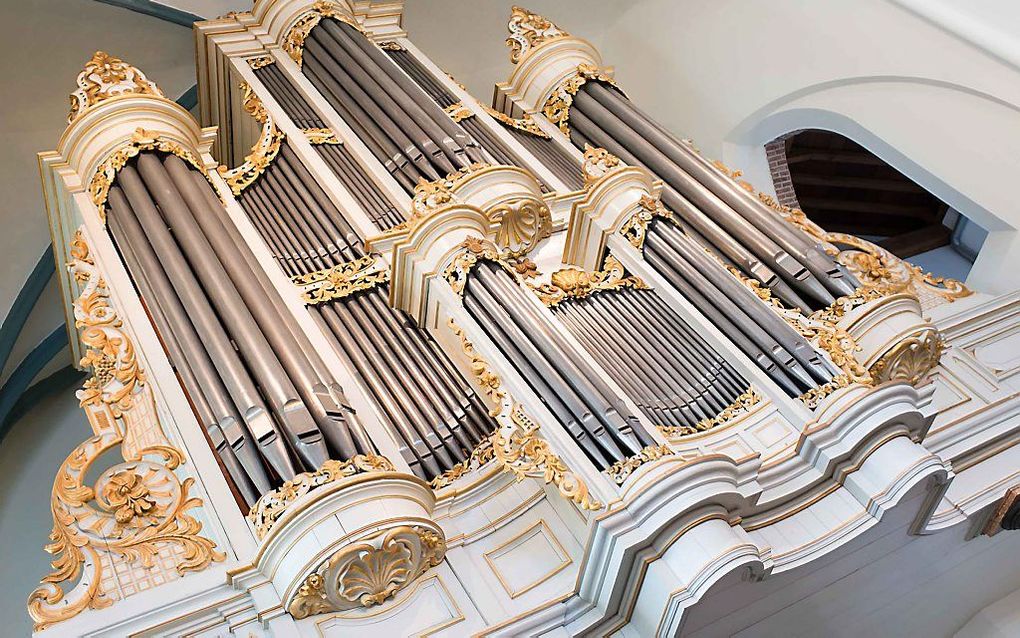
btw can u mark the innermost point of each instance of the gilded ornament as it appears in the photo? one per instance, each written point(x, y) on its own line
point(263, 152)
point(458, 112)
point(527, 31)
point(369, 572)
point(273, 505)
point(597, 163)
point(911, 360)
point(342, 280)
point(317, 136)
point(522, 224)
point(635, 229)
point(621, 470)
point(516, 443)
point(141, 140)
point(557, 105)
point(105, 76)
point(572, 283)
point(391, 46)
point(260, 61)
point(482, 454)
point(741, 405)
point(524, 124)
point(137, 508)
point(294, 41)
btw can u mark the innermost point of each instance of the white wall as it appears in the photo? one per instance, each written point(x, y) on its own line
point(29, 457)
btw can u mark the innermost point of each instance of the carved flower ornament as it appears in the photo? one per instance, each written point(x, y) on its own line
point(128, 497)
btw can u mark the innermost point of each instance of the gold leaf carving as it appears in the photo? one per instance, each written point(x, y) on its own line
point(572, 283)
point(597, 163)
point(137, 508)
point(621, 470)
point(367, 573)
point(342, 280)
point(527, 31)
point(525, 124)
point(272, 505)
point(105, 76)
point(141, 140)
point(263, 152)
point(321, 136)
point(458, 112)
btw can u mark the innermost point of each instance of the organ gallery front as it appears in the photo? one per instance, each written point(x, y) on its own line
point(368, 354)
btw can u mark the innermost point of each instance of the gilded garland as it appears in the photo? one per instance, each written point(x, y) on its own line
point(621, 470)
point(137, 508)
point(273, 505)
point(525, 124)
point(141, 140)
point(263, 152)
point(104, 77)
point(741, 405)
point(516, 444)
point(342, 280)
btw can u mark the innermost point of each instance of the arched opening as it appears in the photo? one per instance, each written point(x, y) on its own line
point(845, 188)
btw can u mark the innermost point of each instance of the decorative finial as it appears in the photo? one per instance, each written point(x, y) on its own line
point(105, 76)
point(597, 162)
point(528, 30)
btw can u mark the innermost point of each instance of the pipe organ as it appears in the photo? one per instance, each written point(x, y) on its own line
point(423, 365)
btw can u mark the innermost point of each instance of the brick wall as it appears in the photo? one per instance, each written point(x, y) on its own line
point(775, 153)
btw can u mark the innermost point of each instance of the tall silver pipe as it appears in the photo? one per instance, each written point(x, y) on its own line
point(213, 337)
point(300, 427)
point(325, 51)
point(720, 320)
point(763, 246)
point(372, 132)
point(412, 119)
point(794, 242)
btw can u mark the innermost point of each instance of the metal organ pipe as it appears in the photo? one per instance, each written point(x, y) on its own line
point(592, 413)
point(805, 249)
point(433, 414)
point(198, 309)
point(654, 356)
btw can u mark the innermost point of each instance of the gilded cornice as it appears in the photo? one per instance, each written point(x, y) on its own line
point(263, 152)
point(516, 443)
point(135, 515)
point(104, 77)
